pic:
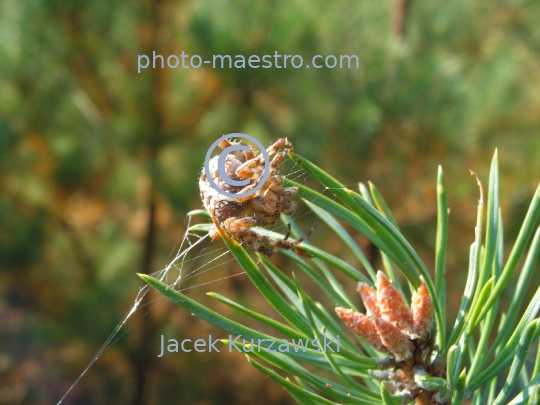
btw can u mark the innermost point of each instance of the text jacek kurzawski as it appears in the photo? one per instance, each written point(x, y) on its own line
point(250, 345)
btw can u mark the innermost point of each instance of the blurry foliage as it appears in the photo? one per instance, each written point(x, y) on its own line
point(99, 164)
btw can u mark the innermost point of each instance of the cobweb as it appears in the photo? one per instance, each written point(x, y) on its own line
point(183, 269)
point(185, 266)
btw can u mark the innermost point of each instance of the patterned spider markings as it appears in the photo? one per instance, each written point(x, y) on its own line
point(237, 216)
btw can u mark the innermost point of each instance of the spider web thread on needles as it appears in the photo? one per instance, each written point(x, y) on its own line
point(191, 249)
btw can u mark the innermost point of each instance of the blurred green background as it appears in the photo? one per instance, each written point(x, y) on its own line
point(99, 164)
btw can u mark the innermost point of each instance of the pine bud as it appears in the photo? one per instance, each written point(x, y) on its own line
point(369, 297)
point(394, 339)
point(364, 327)
point(422, 311)
point(392, 306)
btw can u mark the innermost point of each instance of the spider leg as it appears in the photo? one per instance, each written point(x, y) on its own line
point(274, 183)
point(288, 233)
point(280, 143)
point(274, 201)
point(284, 244)
point(248, 188)
point(254, 168)
point(240, 229)
point(273, 149)
point(246, 155)
point(304, 237)
point(251, 169)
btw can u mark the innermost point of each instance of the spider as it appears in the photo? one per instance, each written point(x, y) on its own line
point(237, 216)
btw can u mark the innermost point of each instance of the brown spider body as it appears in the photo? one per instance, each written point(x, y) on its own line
point(236, 216)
